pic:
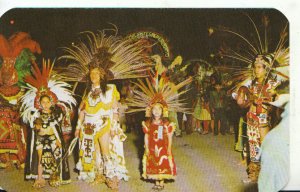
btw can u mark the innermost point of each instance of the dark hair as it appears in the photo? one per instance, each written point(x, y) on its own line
point(102, 58)
point(150, 119)
point(268, 58)
point(218, 83)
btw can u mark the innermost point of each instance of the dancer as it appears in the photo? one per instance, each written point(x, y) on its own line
point(43, 107)
point(103, 58)
point(174, 73)
point(158, 160)
point(262, 91)
point(17, 53)
point(157, 100)
point(255, 86)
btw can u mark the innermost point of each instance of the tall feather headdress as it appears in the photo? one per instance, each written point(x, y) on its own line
point(276, 59)
point(117, 57)
point(40, 83)
point(157, 89)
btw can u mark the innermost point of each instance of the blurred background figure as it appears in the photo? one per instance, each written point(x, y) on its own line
point(217, 103)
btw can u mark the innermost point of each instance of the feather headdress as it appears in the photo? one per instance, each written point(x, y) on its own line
point(17, 55)
point(44, 83)
point(157, 89)
point(275, 59)
point(117, 57)
point(16, 43)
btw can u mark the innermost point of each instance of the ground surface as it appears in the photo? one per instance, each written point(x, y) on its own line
point(204, 163)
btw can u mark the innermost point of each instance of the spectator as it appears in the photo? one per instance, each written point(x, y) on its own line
point(217, 96)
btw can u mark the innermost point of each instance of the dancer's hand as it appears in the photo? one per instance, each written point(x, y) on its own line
point(113, 133)
point(169, 151)
point(272, 92)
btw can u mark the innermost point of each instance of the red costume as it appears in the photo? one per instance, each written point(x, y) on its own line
point(157, 164)
point(258, 116)
point(17, 56)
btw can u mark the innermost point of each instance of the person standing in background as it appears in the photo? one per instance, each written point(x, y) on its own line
point(217, 99)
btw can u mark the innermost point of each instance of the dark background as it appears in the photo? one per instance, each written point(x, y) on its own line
point(186, 30)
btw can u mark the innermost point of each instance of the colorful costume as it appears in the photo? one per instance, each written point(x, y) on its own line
point(17, 56)
point(158, 164)
point(99, 109)
point(114, 57)
point(201, 111)
point(273, 70)
point(53, 157)
point(258, 115)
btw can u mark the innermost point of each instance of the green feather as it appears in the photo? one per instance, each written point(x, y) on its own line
point(23, 65)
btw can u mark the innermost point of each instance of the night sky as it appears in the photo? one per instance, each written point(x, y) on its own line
point(186, 30)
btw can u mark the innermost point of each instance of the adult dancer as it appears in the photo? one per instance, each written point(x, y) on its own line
point(103, 58)
point(256, 85)
point(17, 56)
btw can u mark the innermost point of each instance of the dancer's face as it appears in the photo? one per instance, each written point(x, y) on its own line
point(157, 110)
point(95, 76)
point(212, 80)
point(218, 87)
point(46, 103)
point(259, 69)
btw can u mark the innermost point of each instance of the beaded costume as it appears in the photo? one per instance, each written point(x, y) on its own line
point(53, 156)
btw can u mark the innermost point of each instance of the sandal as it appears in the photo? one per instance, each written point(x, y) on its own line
point(204, 133)
point(155, 187)
point(113, 183)
point(40, 183)
point(160, 188)
point(99, 179)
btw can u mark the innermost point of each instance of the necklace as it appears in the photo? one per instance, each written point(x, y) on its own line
point(95, 93)
point(94, 96)
point(45, 120)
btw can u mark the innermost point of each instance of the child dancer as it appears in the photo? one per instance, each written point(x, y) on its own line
point(42, 107)
point(158, 160)
point(157, 98)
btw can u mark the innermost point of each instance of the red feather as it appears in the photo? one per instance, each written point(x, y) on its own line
point(16, 43)
point(39, 78)
point(5, 48)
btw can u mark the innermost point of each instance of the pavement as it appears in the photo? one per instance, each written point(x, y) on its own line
point(204, 163)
